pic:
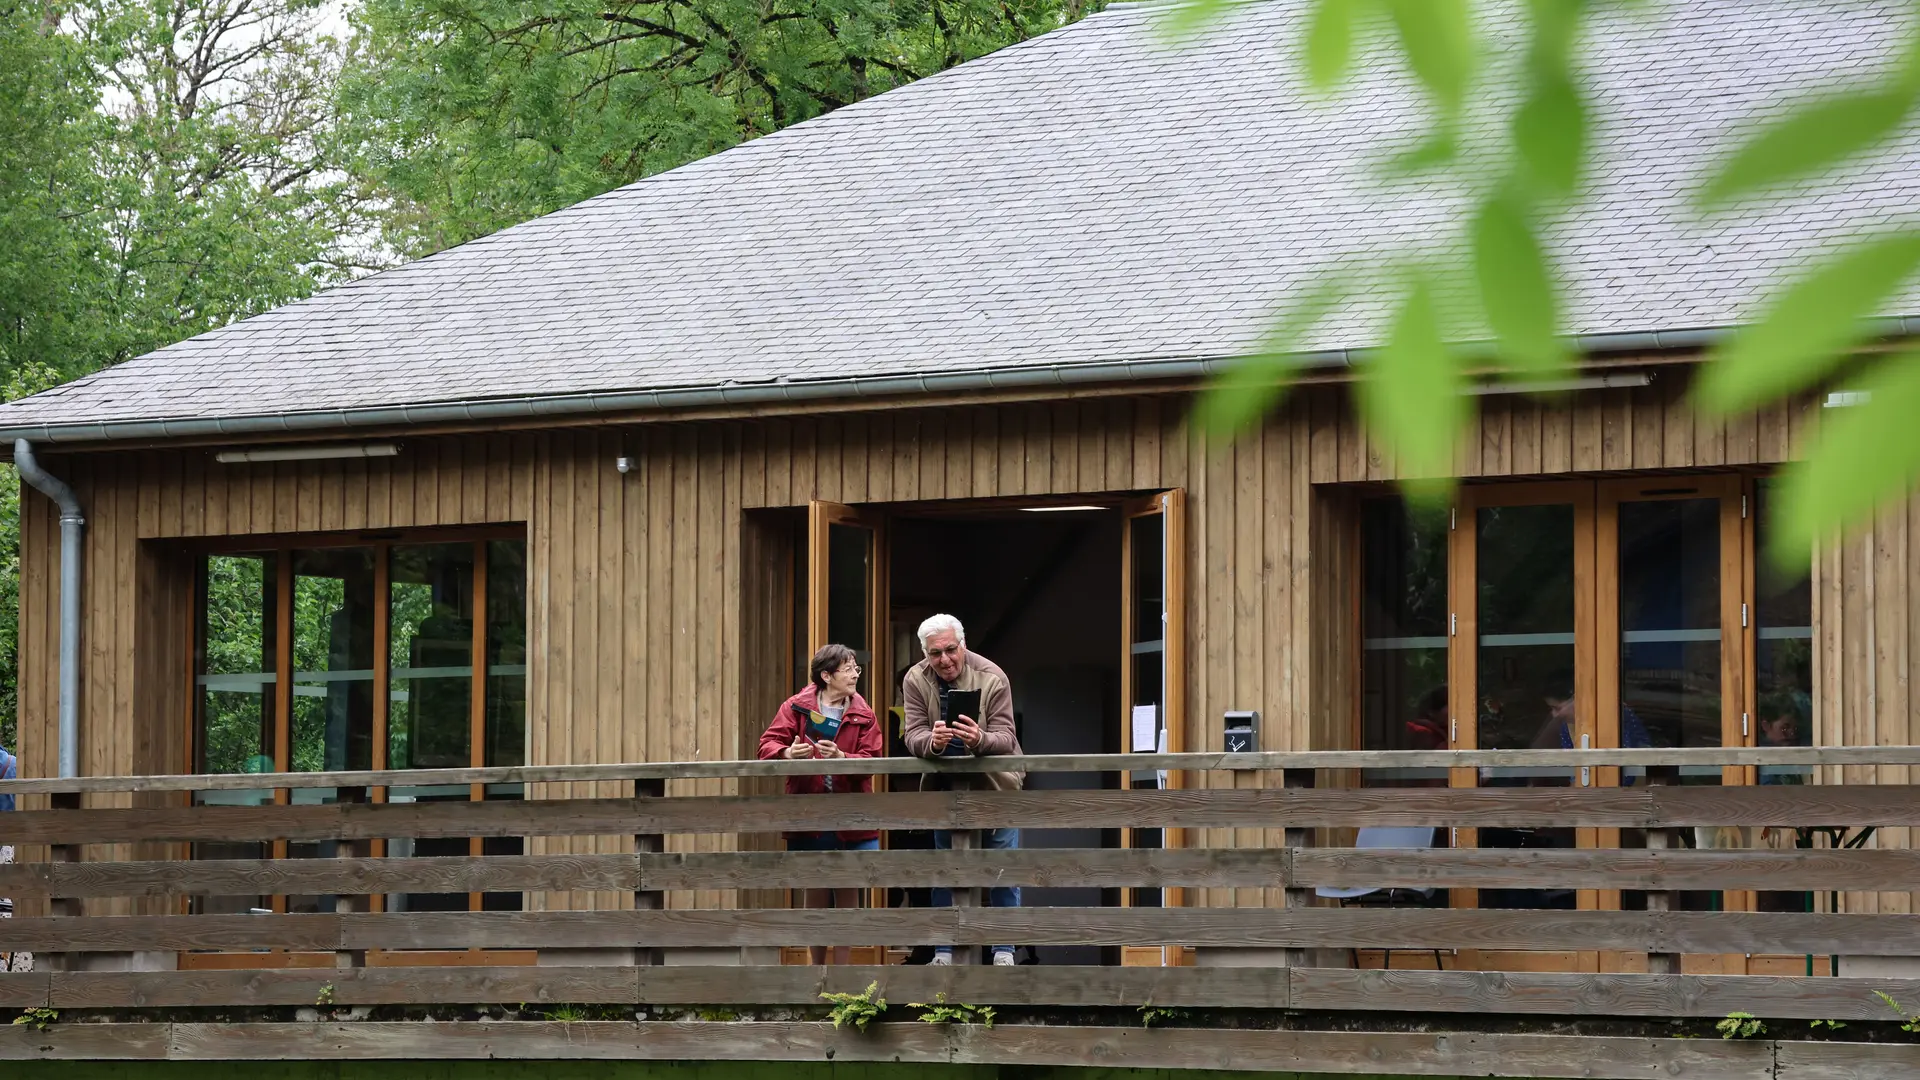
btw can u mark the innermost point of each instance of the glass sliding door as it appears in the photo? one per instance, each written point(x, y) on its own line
point(1671, 639)
point(1522, 589)
point(1617, 613)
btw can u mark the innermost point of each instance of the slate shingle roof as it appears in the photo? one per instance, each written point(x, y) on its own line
point(1088, 196)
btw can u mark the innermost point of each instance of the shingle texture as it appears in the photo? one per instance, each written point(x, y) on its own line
point(1091, 195)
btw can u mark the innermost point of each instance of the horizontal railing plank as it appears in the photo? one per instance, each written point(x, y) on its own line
point(1286, 1051)
point(1258, 988)
point(1216, 808)
point(1798, 869)
point(1329, 989)
point(1184, 762)
point(1578, 994)
point(1788, 870)
point(1627, 931)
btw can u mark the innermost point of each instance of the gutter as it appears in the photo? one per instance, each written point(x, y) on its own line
point(73, 529)
point(779, 391)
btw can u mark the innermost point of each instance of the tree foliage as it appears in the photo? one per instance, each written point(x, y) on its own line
point(467, 116)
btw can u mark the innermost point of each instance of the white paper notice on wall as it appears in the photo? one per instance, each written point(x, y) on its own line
point(1146, 729)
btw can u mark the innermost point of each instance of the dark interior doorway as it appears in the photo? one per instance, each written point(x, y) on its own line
point(1039, 594)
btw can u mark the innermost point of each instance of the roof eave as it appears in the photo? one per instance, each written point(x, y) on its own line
point(308, 423)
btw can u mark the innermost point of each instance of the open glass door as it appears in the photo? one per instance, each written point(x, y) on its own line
point(1153, 671)
point(846, 604)
point(846, 591)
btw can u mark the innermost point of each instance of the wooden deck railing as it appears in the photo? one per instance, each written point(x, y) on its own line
point(611, 956)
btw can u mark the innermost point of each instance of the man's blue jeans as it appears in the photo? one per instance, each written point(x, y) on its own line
point(998, 895)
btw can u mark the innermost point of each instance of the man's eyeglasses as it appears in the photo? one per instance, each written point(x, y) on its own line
point(951, 650)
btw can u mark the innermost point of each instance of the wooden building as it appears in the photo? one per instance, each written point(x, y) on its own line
point(591, 489)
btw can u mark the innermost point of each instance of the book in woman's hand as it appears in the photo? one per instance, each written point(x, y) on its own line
point(820, 727)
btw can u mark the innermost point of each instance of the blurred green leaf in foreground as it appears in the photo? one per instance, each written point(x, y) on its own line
point(1811, 330)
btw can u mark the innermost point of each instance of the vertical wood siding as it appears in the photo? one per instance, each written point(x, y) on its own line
point(650, 594)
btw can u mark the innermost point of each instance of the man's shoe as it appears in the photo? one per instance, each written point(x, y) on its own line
point(941, 959)
point(1002, 959)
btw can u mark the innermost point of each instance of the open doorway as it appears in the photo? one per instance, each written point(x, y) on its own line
point(1083, 607)
point(1038, 593)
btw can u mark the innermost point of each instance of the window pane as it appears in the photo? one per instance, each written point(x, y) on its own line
point(849, 557)
point(234, 699)
point(1403, 626)
point(235, 659)
point(332, 659)
point(1670, 625)
point(1147, 535)
point(506, 653)
point(332, 725)
point(430, 650)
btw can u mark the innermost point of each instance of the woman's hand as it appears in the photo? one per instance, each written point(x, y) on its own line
point(827, 748)
point(801, 748)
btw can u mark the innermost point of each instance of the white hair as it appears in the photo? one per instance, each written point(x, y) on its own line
point(940, 624)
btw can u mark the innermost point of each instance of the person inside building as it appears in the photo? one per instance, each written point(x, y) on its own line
point(947, 668)
point(829, 720)
point(1782, 724)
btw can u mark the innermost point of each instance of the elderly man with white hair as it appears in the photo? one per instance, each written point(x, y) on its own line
point(948, 667)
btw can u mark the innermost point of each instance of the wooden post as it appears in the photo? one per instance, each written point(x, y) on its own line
point(62, 905)
point(1296, 839)
point(645, 843)
point(342, 903)
point(967, 896)
point(1661, 963)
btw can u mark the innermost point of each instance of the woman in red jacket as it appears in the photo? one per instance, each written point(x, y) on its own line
point(834, 673)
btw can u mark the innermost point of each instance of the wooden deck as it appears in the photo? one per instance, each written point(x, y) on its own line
point(1270, 993)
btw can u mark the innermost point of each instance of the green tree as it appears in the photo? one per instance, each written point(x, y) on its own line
point(48, 245)
point(30, 379)
point(466, 116)
point(219, 201)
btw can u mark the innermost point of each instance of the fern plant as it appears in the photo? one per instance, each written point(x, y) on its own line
point(1154, 1014)
point(1908, 1021)
point(943, 1011)
point(1739, 1025)
point(859, 1009)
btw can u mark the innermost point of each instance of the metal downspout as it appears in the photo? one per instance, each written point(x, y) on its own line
point(73, 528)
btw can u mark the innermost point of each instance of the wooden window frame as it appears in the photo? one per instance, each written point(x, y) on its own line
point(283, 546)
point(1596, 503)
